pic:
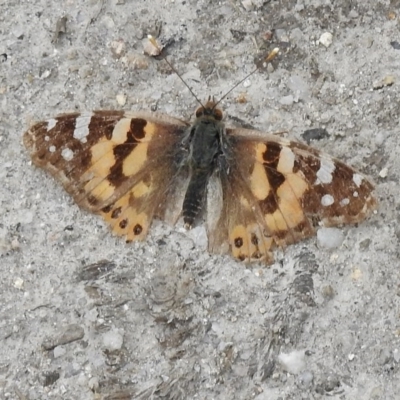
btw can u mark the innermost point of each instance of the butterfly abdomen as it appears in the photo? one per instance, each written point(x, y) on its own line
point(194, 197)
point(205, 148)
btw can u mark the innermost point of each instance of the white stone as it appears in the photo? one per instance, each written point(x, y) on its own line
point(248, 5)
point(306, 378)
point(113, 340)
point(93, 384)
point(287, 100)
point(59, 351)
point(326, 39)
point(396, 355)
point(45, 74)
point(329, 238)
point(19, 283)
point(293, 362)
point(121, 99)
point(247, 83)
point(384, 172)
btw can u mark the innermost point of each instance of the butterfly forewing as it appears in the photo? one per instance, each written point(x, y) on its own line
point(121, 165)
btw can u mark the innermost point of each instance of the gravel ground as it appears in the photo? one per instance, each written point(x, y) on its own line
point(85, 316)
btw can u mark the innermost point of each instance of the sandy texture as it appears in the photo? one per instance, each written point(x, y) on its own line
point(85, 316)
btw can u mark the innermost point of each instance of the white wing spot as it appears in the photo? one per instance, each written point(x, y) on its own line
point(51, 123)
point(355, 193)
point(344, 202)
point(67, 154)
point(52, 149)
point(82, 126)
point(327, 200)
point(357, 179)
point(324, 174)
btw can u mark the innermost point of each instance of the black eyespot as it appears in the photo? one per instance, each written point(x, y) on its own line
point(238, 242)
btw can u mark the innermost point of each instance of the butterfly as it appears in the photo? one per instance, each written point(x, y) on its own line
point(254, 190)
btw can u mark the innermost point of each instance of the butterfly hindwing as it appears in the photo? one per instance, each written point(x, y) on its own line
point(277, 192)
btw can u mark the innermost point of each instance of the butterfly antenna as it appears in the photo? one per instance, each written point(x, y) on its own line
point(267, 59)
point(160, 53)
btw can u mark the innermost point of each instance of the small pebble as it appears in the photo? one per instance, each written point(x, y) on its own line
point(45, 74)
point(384, 172)
point(118, 48)
point(58, 351)
point(326, 39)
point(121, 99)
point(69, 334)
point(292, 362)
point(113, 340)
point(287, 100)
point(49, 377)
point(356, 274)
point(379, 139)
point(19, 283)
point(248, 5)
point(396, 355)
point(93, 384)
point(306, 378)
point(353, 14)
point(395, 44)
point(329, 238)
point(328, 292)
point(247, 83)
point(388, 80)
point(15, 244)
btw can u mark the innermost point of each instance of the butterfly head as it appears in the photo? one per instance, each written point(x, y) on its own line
point(209, 110)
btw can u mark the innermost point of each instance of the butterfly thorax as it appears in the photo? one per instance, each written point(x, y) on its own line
point(204, 144)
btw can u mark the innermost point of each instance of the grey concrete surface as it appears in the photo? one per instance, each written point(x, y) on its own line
point(85, 316)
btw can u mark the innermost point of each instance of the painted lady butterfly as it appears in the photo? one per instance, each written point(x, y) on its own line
point(259, 190)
